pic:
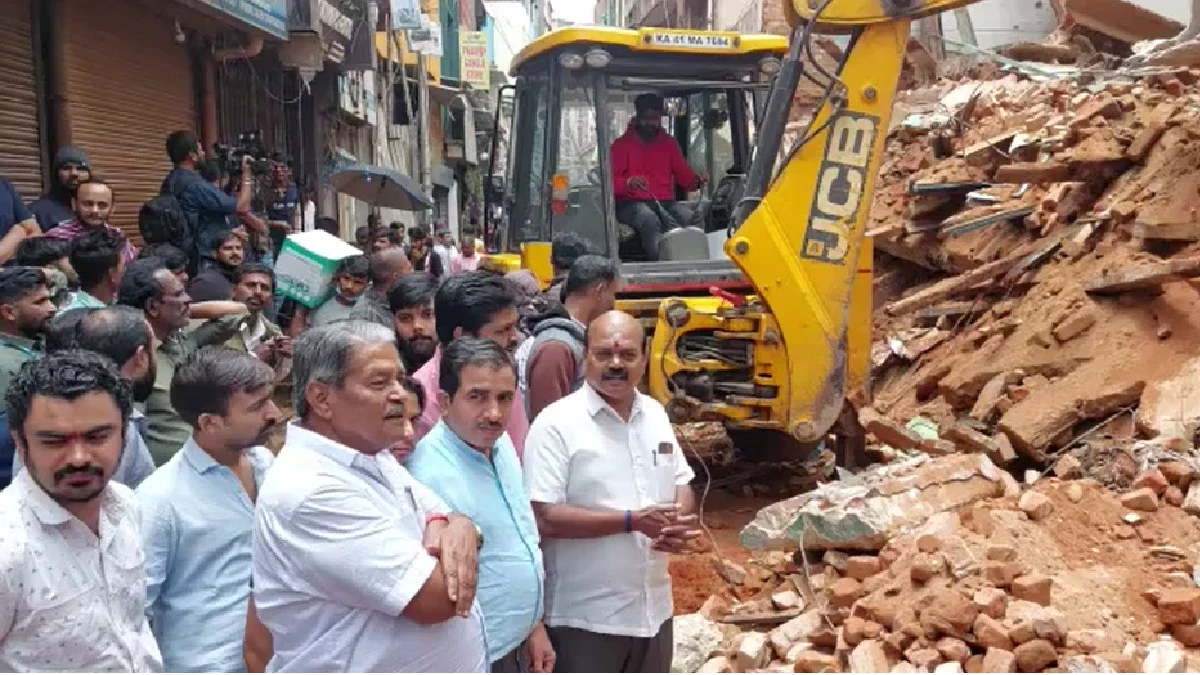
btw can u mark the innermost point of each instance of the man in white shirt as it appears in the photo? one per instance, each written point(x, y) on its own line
point(357, 567)
point(71, 560)
point(609, 487)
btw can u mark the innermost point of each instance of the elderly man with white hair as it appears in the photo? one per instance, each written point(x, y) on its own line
point(357, 566)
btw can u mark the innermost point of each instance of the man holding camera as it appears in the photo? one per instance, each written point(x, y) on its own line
point(207, 208)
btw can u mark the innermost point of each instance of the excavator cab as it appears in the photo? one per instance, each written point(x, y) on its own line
point(574, 96)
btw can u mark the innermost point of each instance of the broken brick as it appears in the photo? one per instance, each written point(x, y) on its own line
point(999, 661)
point(1152, 479)
point(1032, 587)
point(862, 567)
point(889, 431)
point(1032, 172)
point(1035, 505)
point(1035, 656)
point(1179, 606)
point(1142, 499)
point(990, 633)
point(1075, 325)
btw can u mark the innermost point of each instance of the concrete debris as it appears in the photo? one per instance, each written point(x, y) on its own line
point(1037, 267)
point(696, 640)
point(1164, 656)
point(878, 504)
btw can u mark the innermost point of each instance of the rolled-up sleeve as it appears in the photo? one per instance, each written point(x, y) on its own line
point(353, 554)
point(546, 462)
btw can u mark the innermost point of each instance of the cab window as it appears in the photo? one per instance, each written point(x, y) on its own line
point(578, 184)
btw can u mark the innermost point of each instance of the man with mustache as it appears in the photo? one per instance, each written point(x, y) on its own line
point(387, 266)
point(411, 303)
point(121, 334)
point(198, 511)
point(71, 571)
point(25, 312)
point(470, 463)
point(472, 304)
point(151, 288)
point(648, 167)
point(216, 282)
point(71, 168)
point(255, 287)
point(609, 487)
point(357, 566)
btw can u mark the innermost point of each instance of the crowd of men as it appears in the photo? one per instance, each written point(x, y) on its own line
point(468, 481)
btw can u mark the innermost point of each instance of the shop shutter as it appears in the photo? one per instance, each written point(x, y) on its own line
point(129, 85)
point(20, 137)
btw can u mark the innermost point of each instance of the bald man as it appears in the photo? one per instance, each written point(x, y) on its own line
point(387, 266)
point(606, 538)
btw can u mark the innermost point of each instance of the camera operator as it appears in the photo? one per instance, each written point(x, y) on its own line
point(254, 246)
point(207, 208)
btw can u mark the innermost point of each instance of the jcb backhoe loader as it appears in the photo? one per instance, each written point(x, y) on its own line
point(759, 311)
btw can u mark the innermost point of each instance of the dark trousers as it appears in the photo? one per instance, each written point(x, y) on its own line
point(581, 651)
point(511, 663)
point(647, 220)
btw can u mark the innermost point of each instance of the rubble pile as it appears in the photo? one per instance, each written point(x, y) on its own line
point(1037, 254)
point(948, 565)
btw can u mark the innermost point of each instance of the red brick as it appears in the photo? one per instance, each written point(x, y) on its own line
point(1035, 656)
point(1032, 587)
point(862, 567)
point(1179, 606)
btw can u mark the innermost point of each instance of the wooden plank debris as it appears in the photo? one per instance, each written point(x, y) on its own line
point(1166, 231)
point(1143, 277)
point(946, 288)
point(762, 617)
point(1123, 20)
point(977, 219)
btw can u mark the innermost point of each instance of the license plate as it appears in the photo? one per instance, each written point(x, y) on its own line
point(691, 41)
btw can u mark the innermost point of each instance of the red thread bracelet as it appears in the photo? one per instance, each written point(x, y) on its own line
point(436, 516)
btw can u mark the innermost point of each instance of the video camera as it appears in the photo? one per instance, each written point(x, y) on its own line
point(249, 144)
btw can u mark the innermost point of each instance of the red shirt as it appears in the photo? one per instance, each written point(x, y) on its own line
point(660, 162)
point(72, 229)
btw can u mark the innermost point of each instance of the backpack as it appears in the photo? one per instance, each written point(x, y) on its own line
point(162, 220)
point(561, 330)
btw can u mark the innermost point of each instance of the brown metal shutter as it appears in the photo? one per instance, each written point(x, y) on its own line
point(129, 85)
point(20, 140)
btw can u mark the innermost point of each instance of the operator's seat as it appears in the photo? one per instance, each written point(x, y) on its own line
point(683, 244)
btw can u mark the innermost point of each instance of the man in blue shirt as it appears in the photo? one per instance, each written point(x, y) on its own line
point(16, 222)
point(468, 461)
point(198, 513)
point(207, 208)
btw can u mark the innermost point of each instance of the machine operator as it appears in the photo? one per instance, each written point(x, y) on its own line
point(647, 166)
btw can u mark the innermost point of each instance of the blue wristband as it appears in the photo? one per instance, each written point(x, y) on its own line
point(628, 520)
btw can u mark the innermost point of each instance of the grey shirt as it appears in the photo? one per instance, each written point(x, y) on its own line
point(135, 463)
point(331, 310)
point(373, 307)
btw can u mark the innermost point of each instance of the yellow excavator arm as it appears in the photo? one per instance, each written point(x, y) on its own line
point(800, 236)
